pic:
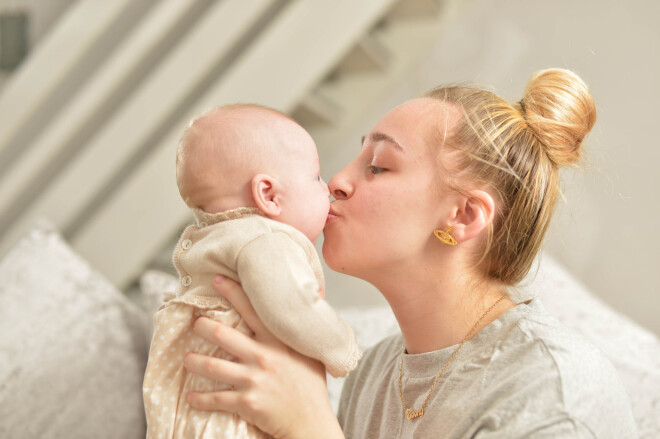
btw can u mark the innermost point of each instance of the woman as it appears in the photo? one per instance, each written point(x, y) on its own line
point(444, 208)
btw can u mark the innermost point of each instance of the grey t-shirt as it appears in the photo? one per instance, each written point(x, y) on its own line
point(523, 376)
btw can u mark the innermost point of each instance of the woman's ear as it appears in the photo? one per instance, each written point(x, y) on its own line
point(474, 213)
point(266, 192)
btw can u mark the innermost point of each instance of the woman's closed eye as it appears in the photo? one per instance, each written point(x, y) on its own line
point(375, 169)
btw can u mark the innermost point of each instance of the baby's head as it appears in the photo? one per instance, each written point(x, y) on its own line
point(251, 156)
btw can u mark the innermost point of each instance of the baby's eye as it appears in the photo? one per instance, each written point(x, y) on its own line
point(375, 169)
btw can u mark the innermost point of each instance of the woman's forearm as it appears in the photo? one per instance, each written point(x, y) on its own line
point(316, 422)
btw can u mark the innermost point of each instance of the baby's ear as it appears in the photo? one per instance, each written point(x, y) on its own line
point(266, 193)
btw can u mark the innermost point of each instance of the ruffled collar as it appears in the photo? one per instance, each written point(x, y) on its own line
point(206, 219)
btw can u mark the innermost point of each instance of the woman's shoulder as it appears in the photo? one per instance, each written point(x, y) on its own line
point(555, 366)
point(525, 372)
point(540, 342)
point(527, 337)
point(534, 334)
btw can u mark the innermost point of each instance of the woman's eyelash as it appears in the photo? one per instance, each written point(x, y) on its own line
point(375, 169)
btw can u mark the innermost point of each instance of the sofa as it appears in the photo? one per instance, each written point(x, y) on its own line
point(73, 348)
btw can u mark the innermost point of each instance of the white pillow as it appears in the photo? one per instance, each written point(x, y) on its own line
point(153, 284)
point(72, 348)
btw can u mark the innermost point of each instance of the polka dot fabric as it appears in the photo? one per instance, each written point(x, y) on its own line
point(167, 382)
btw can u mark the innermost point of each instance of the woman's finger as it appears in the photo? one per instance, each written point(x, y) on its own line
point(234, 292)
point(230, 339)
point(225, 401)
point(225, 371)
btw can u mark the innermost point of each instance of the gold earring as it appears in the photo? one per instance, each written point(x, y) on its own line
point(445, 236)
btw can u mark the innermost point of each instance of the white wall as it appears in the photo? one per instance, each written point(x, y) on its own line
point(606, 232)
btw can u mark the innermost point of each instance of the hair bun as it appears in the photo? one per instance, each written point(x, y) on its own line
point(560, 110)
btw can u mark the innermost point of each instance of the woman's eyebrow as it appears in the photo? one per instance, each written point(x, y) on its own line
point(376, 136)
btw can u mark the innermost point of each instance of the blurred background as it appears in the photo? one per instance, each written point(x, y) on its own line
point(94, 95)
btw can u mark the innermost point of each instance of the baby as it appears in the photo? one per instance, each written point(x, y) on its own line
point(251, 177)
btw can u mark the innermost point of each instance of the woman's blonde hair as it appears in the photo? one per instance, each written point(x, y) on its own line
point(516, 150)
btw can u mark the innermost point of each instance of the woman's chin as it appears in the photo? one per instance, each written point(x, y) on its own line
point(328, 257)
point(331, 259)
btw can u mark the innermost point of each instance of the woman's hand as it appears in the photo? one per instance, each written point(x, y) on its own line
point(273, 387)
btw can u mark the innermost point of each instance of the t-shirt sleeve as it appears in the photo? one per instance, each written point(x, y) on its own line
point(284, 292)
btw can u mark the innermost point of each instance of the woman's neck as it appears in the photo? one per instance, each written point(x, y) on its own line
point(437, 311)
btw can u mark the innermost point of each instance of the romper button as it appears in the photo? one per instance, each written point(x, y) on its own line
point(186, 281)
point(203, 224)
point(186, 244)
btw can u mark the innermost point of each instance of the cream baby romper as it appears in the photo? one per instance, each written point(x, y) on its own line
point(281, 274)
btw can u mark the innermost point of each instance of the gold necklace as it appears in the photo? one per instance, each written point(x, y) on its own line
point(410, 412)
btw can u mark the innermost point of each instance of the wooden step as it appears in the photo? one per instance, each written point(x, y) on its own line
point(316, 109)
point(368, 55)
point(414, 9)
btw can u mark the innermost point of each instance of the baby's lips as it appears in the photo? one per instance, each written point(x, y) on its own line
point(322, 293)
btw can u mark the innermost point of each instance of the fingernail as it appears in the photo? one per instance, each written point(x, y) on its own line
point(189, 398)
point(218, 279)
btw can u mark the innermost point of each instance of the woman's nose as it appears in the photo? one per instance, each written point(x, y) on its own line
point(339, 186)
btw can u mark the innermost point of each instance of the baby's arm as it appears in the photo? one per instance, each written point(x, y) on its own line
point(284, 292)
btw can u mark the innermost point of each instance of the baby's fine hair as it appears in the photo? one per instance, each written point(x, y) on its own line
point(229, 111)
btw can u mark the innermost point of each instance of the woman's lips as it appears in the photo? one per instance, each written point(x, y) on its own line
point(332, 215)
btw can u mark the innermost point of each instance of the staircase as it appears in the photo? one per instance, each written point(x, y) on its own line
point(90, 121)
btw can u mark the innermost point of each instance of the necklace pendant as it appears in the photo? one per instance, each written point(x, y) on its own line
point(412, 414)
